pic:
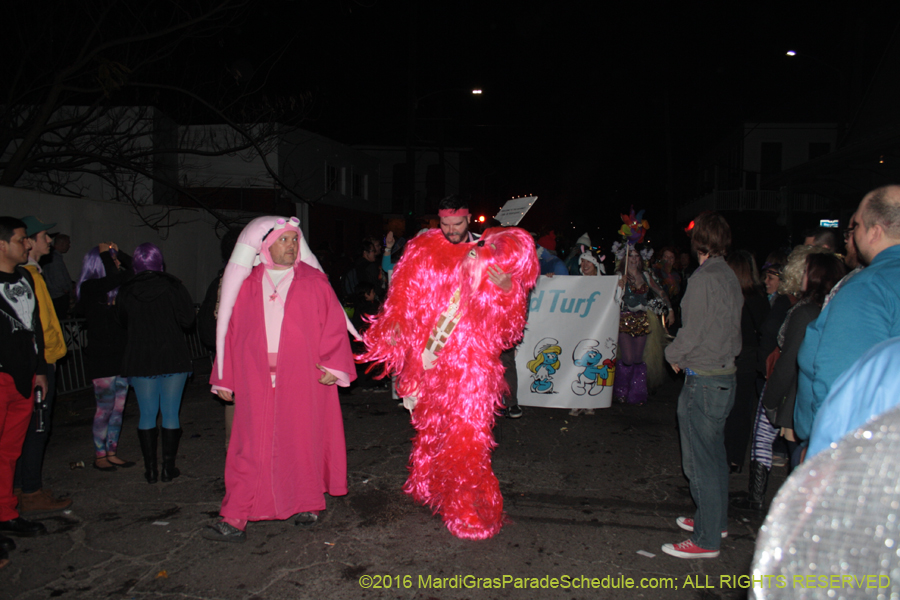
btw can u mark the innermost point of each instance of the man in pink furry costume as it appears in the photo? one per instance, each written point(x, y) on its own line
point(453, 306)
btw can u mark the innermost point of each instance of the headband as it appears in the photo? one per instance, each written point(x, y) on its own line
point(453, 212)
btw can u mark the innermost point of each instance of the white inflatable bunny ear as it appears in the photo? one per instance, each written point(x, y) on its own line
point(245, 256)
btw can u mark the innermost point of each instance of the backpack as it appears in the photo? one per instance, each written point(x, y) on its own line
point(349, 281)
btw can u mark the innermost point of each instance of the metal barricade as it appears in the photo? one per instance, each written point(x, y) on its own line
point(71, 372)
point(71, 375)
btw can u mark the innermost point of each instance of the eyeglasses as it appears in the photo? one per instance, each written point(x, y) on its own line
point(849, 231)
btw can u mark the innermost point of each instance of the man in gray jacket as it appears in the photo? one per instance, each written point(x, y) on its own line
point(705, 348)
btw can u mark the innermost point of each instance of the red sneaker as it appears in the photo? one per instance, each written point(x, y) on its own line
point(688, 549)
point(688, 525)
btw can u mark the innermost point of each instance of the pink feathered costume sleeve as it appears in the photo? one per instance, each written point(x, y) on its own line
point(500, 315)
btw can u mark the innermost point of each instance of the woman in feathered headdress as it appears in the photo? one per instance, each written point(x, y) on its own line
point(641, 335)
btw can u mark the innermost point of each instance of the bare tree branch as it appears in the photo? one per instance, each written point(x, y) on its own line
point(92, 98)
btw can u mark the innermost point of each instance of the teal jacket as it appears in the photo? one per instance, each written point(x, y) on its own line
point(869, 388)
point(865, 312)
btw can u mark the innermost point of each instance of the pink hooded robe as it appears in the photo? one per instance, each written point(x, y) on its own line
point(287, 444)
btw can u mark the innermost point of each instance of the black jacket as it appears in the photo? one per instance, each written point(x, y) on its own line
point(22, 347)
point(768, 338)
point(155, 309)
point(105, 335)
point(206, 316)
point(781, 389)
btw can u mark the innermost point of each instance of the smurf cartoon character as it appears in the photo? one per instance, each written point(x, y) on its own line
point(544, 365)
point(596, 373)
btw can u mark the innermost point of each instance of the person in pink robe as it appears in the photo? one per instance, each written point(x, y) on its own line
point(285, 350)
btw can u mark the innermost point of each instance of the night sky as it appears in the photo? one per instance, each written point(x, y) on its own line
point(593, 107)
point(583, 105)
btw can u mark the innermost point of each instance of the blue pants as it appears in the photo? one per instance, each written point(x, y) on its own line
point(159, 394)
point(703, 406)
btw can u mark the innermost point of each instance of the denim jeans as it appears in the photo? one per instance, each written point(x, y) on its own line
point(703, 406)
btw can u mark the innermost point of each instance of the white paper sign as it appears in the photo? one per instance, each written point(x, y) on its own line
point(513, 211)
point(567, 357)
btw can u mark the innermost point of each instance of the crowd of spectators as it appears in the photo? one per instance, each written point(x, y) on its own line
point(135, 316)
point(794, 337)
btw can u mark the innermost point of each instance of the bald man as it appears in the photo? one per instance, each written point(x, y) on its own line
point(864, 313)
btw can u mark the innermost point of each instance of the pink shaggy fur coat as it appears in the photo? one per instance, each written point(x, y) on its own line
point(450, 465)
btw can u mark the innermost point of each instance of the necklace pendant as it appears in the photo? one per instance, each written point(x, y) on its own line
point(273, 296)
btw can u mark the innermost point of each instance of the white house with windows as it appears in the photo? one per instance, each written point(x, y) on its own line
point(735, 175)
point(332, 187)
point(305, 166)
point(328, 172)
point(438, 172)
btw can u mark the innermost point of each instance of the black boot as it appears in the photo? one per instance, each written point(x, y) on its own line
point(170, 439)
point(147, 438)
point(756, 493)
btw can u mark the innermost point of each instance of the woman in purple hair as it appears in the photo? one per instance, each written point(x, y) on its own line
point(156, 308)
point(103, 270)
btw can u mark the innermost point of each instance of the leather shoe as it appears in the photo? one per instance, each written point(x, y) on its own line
point(42, 501)
point(223, 532)
point(7, 544)
point(22, 527)
point(109, 468)
point(305, 519)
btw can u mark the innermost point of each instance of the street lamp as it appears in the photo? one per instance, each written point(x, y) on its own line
point(793, 53)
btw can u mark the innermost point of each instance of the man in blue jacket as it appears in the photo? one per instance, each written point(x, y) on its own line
point(864, 313)
point(870, 387)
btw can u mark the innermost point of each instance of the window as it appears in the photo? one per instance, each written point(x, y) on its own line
point(358, 185)
point(331, 178)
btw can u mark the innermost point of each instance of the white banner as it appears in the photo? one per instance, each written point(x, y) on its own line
point(567, 357)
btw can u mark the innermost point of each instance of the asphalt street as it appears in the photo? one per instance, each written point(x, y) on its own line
point(590, 501)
